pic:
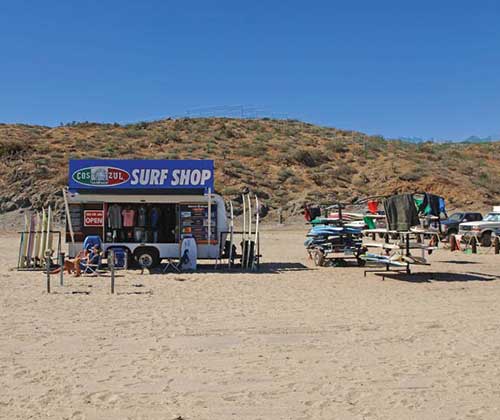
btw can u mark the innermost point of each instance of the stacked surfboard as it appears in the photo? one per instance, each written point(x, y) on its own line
point(250, 233)
point(36, 239)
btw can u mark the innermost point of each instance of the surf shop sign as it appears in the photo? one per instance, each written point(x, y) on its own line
point(141, 174)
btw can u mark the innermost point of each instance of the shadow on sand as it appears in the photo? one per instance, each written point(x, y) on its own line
point(430, 277)
point(458, 262)
point(265, 268)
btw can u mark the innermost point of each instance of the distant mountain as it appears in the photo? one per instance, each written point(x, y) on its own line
point(476, 139)
point(470, 139)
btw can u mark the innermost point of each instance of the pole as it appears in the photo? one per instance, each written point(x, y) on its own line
point(111, 264)
point(68, 217)
point(61, 261)
point(47, 263)
point(209, 237)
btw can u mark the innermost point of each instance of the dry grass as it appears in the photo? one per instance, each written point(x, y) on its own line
point(287, 161)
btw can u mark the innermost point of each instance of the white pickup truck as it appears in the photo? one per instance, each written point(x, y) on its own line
point(482, 229)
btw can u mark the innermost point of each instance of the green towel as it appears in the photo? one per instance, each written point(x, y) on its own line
point(369, 222)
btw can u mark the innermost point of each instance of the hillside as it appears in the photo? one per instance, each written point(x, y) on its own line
point(285, 162)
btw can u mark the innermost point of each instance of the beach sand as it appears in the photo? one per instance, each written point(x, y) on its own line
point(290, 342)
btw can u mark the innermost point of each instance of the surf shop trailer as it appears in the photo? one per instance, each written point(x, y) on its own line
point(146, 207)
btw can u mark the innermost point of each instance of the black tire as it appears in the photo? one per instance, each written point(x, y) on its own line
point(486, 239)
point(319, 258)
point(361, 262)
point(147, 257)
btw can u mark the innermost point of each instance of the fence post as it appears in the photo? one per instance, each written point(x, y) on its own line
point(61, 262)
point(111, 265)
point(47, 264)
point(497, 245)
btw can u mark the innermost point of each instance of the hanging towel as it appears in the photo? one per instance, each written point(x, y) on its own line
point(373, 206)
point(369, 222)
point(401, 212)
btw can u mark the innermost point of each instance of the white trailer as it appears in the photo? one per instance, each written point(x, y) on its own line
point(148, 222)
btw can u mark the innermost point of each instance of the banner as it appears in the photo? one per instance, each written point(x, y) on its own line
point(140, 174)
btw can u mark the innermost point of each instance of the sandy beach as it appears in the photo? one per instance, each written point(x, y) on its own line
point(291, 342)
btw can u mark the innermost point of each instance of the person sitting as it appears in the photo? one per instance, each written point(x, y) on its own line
point(75, 264)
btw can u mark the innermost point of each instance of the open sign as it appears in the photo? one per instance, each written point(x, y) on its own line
point(93, 218)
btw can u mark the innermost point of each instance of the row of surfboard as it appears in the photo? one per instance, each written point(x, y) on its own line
point(250, 232)
point(36, 238)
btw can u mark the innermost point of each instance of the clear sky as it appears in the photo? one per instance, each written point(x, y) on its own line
point(397, 68)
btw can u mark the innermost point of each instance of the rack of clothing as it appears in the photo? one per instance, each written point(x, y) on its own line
point(141, 223)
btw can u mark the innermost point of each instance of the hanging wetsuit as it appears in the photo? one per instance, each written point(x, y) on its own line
point(115, 217)
point(142, 216)
point(401, 212)
point(154, 217)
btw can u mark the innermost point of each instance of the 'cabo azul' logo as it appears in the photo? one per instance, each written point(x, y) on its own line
point(101, 176)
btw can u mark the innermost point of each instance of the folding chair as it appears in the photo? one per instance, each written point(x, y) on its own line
point(91, 264)
point(171, 263)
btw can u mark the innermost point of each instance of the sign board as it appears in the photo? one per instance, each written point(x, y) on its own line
point(111, 174)
point(93, 218)
point(194, 223)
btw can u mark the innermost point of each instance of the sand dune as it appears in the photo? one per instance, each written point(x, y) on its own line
point(291, 342)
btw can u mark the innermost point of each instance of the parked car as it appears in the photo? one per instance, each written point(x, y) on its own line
point(450, 225)
point(482, 229)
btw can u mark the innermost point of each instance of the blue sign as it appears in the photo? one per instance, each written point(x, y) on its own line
point(112, 174)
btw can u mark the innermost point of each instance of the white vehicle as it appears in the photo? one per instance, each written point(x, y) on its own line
point(482, 229)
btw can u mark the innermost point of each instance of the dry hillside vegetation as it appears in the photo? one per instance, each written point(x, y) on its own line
point(284, 162)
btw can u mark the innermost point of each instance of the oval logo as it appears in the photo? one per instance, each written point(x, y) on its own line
point(101, 176)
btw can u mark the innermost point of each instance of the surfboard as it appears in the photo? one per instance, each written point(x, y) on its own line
point(415, 260)
point(381, 259)
point(249, 234)
point(36, 250)
point(231, 233)
point(189, 254)
point(256, 237)
point(48, 243)
point(24, 243)
point(244, 236)
point(31, 237)
point(43, 236)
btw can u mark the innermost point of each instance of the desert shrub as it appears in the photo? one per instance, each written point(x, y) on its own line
point(412, 176)
point(263, 138)
point(248, 152)
point(133, 133)
point(13, 147)
point(284, 174)
point(230, 190)
point(336, 146)
point(310, 158)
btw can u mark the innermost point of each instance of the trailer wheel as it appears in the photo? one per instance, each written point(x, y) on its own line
point(319, 258)
point(147, 257)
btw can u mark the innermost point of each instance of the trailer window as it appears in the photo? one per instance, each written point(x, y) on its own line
point(141, 223)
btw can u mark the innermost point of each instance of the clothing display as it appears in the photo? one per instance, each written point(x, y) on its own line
point(154, 216)
point(128, 217)
point(142, 223)
point(442, 207)
point(401, 212)
point(115, 216)
point(430, 205)
point(142, 216)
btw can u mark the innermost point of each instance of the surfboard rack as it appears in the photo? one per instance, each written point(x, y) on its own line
point(33, 262)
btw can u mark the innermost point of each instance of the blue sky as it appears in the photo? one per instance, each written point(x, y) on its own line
point(427, 68)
